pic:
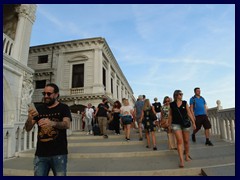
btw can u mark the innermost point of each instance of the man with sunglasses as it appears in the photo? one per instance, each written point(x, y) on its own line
point(199, 109)
point(53, 119)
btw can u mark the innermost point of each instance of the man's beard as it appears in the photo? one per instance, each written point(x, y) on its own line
point(49, 102)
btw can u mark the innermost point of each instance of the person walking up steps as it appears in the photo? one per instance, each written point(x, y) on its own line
point(138, 113)
point(157, 107)
point(148, 119)
point(127, 117)
point(199, 109)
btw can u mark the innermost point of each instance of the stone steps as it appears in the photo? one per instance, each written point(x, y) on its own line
point(95, 156)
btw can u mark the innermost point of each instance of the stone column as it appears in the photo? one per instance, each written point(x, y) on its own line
point(97, 71)
point(26, 18)
point(108, 81)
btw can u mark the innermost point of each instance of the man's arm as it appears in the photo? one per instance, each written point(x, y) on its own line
point(30, 121)
point(65, 124)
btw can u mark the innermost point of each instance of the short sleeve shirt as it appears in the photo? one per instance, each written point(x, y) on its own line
point(198, 105)
point(52, 141)
point(102, 110)
point(139, 107)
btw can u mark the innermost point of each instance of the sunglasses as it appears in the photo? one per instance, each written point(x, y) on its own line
point(180, 94)
point(46, 93)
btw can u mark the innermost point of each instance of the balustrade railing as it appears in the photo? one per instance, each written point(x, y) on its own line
point(16, 139)
point(76, 91)
point(8, 44)
point(223, 122)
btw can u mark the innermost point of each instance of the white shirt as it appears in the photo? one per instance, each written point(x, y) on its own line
point(89, 113)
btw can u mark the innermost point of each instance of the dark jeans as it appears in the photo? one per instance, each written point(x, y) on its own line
point(58, 164)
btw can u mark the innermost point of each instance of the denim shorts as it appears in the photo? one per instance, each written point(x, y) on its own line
point(176, 127)
point(58, 164)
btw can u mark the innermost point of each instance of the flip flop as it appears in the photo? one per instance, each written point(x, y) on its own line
point(181, 166)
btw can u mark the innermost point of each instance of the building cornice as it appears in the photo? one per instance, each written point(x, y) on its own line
point(90, 43)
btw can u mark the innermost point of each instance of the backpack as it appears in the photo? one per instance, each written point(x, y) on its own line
point(194, 101)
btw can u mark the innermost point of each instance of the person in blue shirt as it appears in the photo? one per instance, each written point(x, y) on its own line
point(199, 109)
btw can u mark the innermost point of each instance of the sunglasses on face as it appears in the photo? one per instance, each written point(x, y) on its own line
point(180, 94)
point(46, 93)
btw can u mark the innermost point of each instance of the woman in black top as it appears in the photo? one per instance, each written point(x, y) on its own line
point(179, 110)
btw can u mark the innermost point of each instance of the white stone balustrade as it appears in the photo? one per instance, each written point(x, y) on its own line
point(8, 44)
point(76, 91)
point(17, 139)
point(223, 122)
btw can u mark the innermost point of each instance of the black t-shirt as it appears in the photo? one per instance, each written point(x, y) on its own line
point(102, 110)
point(52, 141)
point(157, 107)
point(176, 117)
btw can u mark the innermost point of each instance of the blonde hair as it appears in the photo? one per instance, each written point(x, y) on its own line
point(146, 105)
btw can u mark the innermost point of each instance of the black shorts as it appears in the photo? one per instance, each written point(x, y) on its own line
point(202, 120)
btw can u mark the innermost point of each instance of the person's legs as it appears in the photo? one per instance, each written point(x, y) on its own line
point(186, 144)
point(179, 137)
point(198, 122)
point(100, 123)
point(140, 130)
point(148, 139)
point(128, 131)
point(41, 166)
point(105, 126)
point(59, 165)
point(154, 140)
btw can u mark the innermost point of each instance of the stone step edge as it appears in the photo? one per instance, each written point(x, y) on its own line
point(110, 155)
point(196, 171)
point(120, 154)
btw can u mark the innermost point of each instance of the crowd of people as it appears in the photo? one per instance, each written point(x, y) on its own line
point(175, 117)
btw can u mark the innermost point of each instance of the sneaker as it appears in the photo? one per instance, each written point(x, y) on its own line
point(140, 139)
point(128, 139)
point(87, 133)
point(193, 138)
point(91, 132)
point(154, 148)
point(105, 136)
point(209, 143)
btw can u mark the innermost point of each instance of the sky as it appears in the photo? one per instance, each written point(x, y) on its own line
point(159, 47)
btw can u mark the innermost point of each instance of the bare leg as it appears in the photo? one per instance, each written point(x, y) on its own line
point(207, 133)
point(148, 139)
point(186, 145)
point(153, 138)
point(140, 129)
point(179, 137)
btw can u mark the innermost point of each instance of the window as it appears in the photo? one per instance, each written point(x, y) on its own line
point(78, 76)
point(42, 59)
point(117, 91)
point(111, 85)
point(40, 84)
point(104, 78)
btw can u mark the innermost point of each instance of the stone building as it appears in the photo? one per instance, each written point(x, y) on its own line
point(85, 71)
point(17, 76)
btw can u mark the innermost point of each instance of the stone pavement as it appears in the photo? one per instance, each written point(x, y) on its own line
point(95, 156)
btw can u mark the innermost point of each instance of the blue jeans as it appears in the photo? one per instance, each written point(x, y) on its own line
point(58, 164)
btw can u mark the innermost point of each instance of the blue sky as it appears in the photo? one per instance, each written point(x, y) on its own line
point(159, 47)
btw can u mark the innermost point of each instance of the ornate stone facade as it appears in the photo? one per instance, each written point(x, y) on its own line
point(102, 74)
point(17, 76)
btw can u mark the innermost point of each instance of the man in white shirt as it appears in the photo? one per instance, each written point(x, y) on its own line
point(89, 117)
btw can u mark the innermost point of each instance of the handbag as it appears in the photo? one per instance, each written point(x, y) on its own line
point(185, 121)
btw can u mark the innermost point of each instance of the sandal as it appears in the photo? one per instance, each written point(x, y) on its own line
point(189, 158)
